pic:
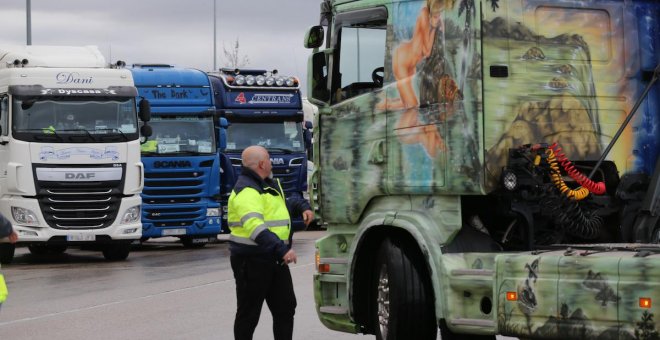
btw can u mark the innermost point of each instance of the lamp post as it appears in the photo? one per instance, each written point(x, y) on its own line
point(214, 38)
point(28, 11)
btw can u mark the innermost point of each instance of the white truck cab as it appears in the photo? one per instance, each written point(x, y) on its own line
point(70, 170)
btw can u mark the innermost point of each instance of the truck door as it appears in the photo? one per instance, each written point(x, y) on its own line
point(354, 129)
point(433, 98)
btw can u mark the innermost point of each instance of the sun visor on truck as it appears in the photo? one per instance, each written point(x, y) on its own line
point(38, 90)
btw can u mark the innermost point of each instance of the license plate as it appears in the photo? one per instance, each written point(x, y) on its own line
point(81, 237)
point(170, 232)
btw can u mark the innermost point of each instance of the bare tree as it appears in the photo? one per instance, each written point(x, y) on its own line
point(233, 58)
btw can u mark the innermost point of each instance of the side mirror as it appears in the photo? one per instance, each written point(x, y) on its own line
point(146, 130)
point(145, 110)
point(314, 37)
point(317, 79)
point(222, 133)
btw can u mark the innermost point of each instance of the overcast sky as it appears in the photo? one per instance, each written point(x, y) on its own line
point(270, 32)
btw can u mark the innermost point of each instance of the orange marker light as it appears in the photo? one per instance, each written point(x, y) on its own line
point(645, 302)
point(324, 268)
point(511, 296)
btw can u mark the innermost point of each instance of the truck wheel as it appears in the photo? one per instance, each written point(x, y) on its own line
point(116, 252)
point(7, 252)
point(192, 243)
point(404, 298)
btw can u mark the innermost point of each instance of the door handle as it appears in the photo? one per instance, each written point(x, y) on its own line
point(377, 152)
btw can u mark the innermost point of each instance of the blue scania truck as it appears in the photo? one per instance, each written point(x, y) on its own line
point(181, 160)
point(263, 108)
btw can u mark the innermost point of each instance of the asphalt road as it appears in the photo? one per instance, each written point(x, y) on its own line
point(162, 291)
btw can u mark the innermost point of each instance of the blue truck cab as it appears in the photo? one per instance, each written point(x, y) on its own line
point(263, 108)
point(181, 159)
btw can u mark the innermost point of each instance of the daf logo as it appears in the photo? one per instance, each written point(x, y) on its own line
point(277, 161)
point(172, 164)
point(79, 175)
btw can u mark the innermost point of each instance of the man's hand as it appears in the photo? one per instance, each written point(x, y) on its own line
point(308, 217)
point(290, 256)
point(13, 237)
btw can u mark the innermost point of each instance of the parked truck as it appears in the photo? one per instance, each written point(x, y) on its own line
point(70, 170)
point(263, 108)
point(487, 167)
point(182, 175)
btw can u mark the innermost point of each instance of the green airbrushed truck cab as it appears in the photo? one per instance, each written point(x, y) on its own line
point(480, 172)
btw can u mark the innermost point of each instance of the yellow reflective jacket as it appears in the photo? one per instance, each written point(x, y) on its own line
point(3, 289)
point(258, 217)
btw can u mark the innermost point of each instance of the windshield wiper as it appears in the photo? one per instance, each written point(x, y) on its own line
point(287, 151)
point(44, 134)
point(187, 153)
point(84, 130)
point(114, 130)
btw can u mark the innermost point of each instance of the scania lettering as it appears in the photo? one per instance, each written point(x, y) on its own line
point(182, 175)
point(263, 108)
point(69, 151)
point(487, 167)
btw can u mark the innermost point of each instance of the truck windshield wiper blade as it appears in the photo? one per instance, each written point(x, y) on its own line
point(287, 151)
point(44, 134)
point(115, 130)
point(189, 153)
point(80, 130)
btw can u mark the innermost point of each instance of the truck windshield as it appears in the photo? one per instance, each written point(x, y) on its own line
point(181, 135)
point(74, 119)
point(277, 136)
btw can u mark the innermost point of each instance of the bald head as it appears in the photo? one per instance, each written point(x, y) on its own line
point(257, 159)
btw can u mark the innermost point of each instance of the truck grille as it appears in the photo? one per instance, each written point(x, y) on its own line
point(75, 205)
point(288, 177)
point(174, 197)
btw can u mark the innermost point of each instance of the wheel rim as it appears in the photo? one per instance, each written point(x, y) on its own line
point(383, 301)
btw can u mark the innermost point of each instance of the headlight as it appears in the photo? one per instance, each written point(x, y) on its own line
point(279, 81)
point(249, 80)
point(261, 80)
point(509, 180)
point(290, 81)
point(270, 81)
point(24, 216)
point(240, 80)
point(212, 212)
point(131, 215)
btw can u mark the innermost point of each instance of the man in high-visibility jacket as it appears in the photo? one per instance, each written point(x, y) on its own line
point(260, 224)
point(6, 230)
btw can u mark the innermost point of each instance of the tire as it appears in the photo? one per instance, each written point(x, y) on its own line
point(116, 252)
point(402, 294)
point(189, 242)
point(7, 252)
point(37, 249)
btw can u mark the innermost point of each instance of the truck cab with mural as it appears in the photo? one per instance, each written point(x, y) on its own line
point(487, 167)
point(182, 174)
point(70, 170)
point(263, 108)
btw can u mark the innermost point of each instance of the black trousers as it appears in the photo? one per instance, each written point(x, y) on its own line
point(257, 280)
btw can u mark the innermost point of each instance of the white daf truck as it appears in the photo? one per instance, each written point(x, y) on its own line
point(70, 170)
